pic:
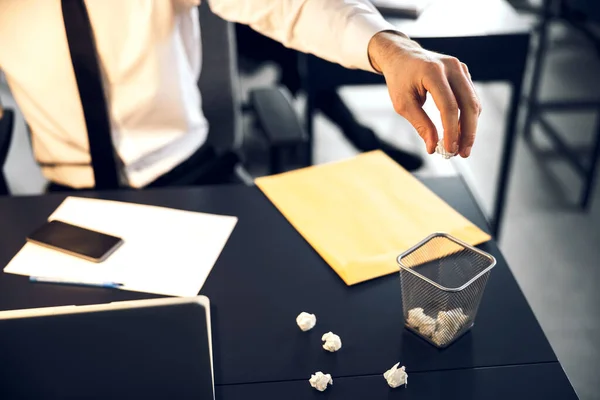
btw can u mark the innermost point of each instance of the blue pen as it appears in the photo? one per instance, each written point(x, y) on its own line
point(109, 285)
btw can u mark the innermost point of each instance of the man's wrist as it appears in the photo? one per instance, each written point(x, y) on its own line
point(381, 46)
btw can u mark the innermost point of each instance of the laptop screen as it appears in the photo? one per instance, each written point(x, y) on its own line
point(149, 352)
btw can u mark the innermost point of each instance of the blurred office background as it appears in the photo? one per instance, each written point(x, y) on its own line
point(552, 245)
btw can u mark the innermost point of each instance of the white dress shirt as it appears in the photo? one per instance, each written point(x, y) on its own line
point(150, 55)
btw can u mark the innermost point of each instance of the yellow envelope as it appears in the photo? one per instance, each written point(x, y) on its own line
point(360, 214)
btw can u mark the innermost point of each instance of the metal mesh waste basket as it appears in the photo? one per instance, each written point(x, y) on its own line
point(443, 280)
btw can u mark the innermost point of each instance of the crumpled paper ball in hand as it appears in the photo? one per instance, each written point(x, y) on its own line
point(320, 381)
point(332, 342)
point(396, 376)
point(441, 150)
point(306, 321)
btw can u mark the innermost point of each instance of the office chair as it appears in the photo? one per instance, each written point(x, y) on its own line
point(578, 15)
point(6, 131)
point(222, 105)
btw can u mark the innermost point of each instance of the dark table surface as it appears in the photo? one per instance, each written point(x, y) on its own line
point(540, 381)
point(267, 274)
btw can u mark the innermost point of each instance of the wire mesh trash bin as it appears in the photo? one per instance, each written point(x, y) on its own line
point(443, 280)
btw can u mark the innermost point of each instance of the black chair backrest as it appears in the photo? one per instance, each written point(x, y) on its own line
point(6, 132)
point(219, 80)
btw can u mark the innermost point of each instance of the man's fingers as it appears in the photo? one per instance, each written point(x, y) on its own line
point(466, 71)
point(419, 119)
point(436, 83)
point(469, 109)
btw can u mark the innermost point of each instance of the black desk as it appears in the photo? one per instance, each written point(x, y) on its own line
point(487, 35)
point(267, 274)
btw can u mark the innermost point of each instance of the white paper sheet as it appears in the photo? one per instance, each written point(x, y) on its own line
point(165, 251)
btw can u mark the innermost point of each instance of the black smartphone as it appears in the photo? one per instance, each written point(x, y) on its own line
point(75, 240)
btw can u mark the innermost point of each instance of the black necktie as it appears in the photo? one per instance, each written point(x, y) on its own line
point(89, 83)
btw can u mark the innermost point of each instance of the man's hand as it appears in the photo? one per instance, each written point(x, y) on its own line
point(410, 72)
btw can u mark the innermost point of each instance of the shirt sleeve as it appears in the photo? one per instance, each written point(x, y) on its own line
point(335, 30)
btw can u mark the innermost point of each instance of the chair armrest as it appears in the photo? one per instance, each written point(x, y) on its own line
point(7, 117)
point(6, 133)
point(276, 117)
point(278, 122)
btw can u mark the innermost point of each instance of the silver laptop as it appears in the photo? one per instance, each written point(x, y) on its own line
point(150, 349)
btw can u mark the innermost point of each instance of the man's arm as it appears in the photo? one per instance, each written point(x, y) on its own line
point(353, 34)
point(335, 30)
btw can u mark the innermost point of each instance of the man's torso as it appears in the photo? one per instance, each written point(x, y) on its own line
point(149, 53)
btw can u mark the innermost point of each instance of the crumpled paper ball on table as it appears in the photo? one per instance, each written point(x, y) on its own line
point(320, 381)
point(306, 321)
point(396, 376)
point(332, 342)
